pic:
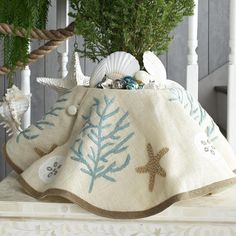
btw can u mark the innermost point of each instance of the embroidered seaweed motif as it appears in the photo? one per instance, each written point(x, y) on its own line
point(58, 106)
point(153, 167)
point(42, 124)
point(101, 160)
point(194, 109)
point(27, 135)
point(53, 111)
point(210, 130)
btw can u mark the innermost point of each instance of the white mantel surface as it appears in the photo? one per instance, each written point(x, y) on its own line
point(23, 215)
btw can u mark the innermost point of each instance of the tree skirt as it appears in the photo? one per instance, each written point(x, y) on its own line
point(122, 153)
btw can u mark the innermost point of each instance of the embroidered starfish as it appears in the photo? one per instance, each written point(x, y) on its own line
point(153, 166)
point(42, 153)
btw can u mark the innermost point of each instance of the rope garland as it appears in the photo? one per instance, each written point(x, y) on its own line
point(59, 34)
point(56, 37)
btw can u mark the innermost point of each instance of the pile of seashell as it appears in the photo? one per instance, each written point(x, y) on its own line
point(121, 70)
point(127, 82)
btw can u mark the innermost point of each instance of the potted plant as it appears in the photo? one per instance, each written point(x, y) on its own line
point(133, 26)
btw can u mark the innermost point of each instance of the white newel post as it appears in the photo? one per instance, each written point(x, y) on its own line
point(25, 88)
point(231, 107)
point(62, 50)
point(192, 68)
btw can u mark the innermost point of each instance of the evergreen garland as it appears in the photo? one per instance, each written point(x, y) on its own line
point(133, 26)
point(27, 14)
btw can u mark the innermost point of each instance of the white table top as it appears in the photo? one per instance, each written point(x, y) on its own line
point(220, 207)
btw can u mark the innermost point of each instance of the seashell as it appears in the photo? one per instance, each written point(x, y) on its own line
point(116, 66)
point(154, 66)
point(74, 77)
point(98, 74)
point(105, 83)
point(119, 84)
point(120, 64)
point(14, 105)
point(6, 118)
point(132, 84)
point(143, 76)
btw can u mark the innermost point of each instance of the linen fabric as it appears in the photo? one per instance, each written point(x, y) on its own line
point(124, 154)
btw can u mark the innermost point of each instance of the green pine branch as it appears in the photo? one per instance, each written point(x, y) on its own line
point(107, 26)
point(27, 14)
point(133, 26)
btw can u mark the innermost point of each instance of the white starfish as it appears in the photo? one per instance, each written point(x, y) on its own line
point(74, 77)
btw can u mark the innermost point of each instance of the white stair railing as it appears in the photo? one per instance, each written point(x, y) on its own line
point(192, 68)
point(62, 21)
point(25, 87)
point(62, 50)
point(231, 104)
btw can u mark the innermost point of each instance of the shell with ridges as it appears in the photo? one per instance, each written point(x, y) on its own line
point(120, 64)
point(14, 105)
point(154, 66)
point(99, 73)
point(116, 66)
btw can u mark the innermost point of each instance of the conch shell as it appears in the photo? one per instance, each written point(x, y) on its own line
point(14, 104)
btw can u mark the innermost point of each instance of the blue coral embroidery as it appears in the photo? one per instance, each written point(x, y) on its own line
point(106, 146)
point(194, 109)
point(26, 134)
point(42, 124)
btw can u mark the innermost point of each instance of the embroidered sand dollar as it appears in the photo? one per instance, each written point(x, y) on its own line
point(206, 147)
point(50, 168)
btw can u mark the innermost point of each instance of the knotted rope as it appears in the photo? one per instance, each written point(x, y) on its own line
point(56, 37)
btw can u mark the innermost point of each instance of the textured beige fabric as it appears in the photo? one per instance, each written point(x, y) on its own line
point(127, 151)
point(53, 129)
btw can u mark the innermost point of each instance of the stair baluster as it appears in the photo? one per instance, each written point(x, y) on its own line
point(62, 50)
point(192, 68)
point(231, 107)
point(25, 87)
